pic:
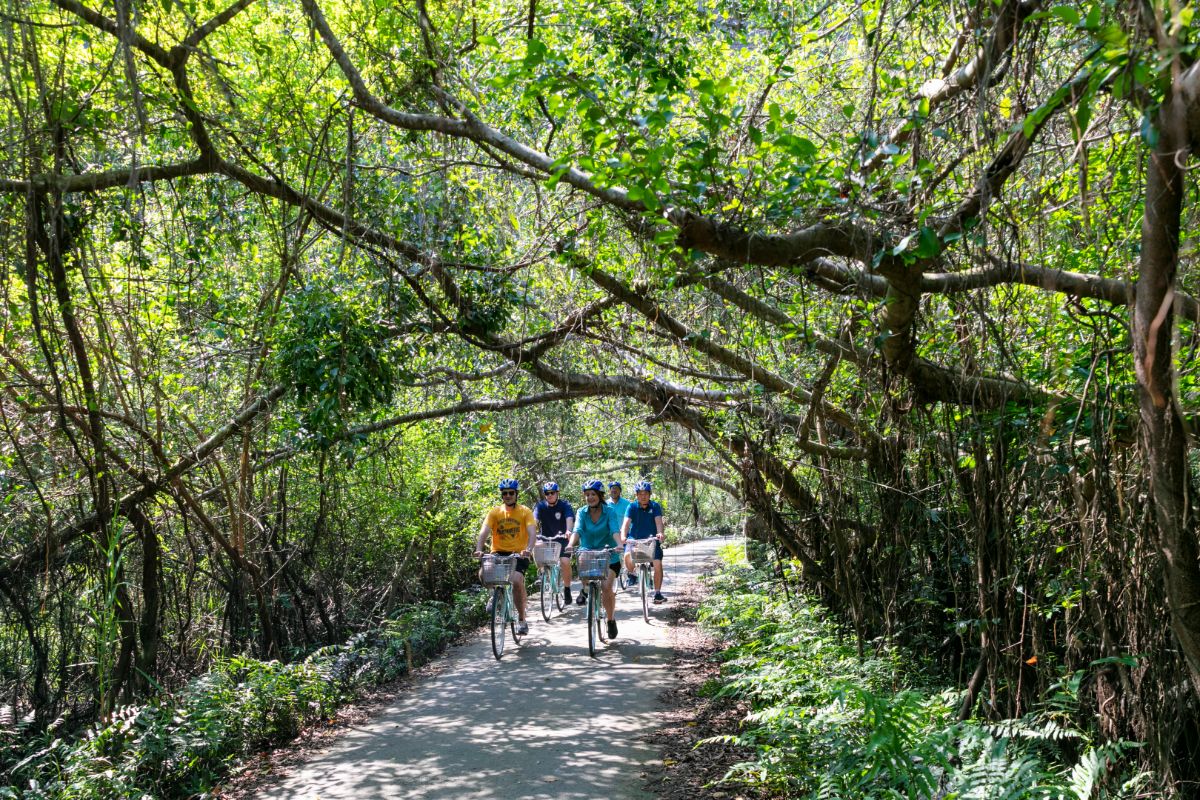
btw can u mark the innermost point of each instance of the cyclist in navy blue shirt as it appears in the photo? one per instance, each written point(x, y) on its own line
point(556, 520)
point(643, 520)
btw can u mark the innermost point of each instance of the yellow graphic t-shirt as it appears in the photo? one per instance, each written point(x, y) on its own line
point(510, 529)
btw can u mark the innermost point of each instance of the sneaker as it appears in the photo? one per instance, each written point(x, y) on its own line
point(567, 596)
point(612, 629)
point(522, 628)
point(631, 581)
point(658, 598)
point(582, 598)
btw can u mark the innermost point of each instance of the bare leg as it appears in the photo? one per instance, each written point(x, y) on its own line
point(609, 596)
point(658, 575)
point(518, 582)
point(566, 572)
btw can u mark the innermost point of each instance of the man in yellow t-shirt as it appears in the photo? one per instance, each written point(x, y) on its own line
point(512, 529)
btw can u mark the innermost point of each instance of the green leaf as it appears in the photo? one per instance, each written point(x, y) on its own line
point(1068, 14)
point(928, 245)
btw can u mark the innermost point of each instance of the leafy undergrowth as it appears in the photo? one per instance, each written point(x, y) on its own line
point(181, 744)
point(825, 723)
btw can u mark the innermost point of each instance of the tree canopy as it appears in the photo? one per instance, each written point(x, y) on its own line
point(907, 284)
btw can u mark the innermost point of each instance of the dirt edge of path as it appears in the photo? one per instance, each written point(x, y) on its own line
point(688, 772)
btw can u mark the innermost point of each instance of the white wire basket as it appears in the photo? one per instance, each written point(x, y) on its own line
point(546, 554)
point(592, 563)
point(643, 550)
point(497, 570)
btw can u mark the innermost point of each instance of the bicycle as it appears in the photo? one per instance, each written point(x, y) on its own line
point(497, 575)
point(643, 559)
point(546, 554)
point(591, 567)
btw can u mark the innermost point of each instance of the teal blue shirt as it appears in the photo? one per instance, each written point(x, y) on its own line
point(598, 535)
point(621, 507)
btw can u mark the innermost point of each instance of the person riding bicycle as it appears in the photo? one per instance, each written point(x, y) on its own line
point(556, 519)
point(597, 527)
point(643, 520)
point(619, 504)
point(512, 528)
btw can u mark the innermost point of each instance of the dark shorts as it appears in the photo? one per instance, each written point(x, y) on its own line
point(564, 541)
point(521, 564)
point(657, 548)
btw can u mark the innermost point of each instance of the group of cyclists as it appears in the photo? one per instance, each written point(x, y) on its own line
point(615, 522)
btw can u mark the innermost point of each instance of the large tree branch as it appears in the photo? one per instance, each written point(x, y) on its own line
point(937, 91)
point(720, 354)
point(54, 545)
point(110, 179)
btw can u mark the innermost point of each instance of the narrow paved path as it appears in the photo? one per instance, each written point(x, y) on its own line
point(546, 722)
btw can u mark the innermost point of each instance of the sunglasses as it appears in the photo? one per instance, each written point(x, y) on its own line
point(549, 493)
point(508, 493)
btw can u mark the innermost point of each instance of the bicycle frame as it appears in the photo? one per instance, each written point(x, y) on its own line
point(504, 614)
point(597, 617)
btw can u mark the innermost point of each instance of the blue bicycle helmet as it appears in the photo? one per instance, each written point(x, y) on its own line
point(550, 486)
point(595, 486)
point(642, 485)
point(615, 483)
point(509, 483)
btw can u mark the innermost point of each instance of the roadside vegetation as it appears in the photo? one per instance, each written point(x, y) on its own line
point(182, 743)
point(909, 289)
point(829, 721)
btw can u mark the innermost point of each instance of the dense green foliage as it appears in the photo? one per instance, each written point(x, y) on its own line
point(908, 289)
point(826, 722)
point(179, 744)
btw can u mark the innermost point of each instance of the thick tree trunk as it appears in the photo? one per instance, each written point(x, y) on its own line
point(148, 628)
point(1162, 428)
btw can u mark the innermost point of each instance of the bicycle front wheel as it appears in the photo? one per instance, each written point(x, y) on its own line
point(549, 588)
point(558, 590)
point(601, 620)
point(644, 580)
point(593, 618)
point(499, 608)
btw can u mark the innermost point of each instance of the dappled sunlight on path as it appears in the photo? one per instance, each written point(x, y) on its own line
point(546, 722)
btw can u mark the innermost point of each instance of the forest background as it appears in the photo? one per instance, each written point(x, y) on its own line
point(906, 287)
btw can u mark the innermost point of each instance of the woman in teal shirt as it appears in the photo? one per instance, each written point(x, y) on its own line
point(597, 527)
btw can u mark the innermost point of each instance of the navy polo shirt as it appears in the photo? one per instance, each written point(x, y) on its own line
point(643, 526)
point(553, 518)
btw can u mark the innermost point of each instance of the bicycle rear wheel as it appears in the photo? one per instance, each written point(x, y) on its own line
point(644, 580)
point(548, 578)
point(499, 612)
point(593, 603)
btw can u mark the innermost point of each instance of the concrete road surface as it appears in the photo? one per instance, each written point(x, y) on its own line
point(548, 721)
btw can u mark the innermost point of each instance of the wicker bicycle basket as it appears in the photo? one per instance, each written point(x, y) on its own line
point(592, 564)
point(497, 571)
point(546, 554)
point(643, 551)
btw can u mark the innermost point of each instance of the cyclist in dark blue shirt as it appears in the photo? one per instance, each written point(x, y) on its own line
point(643, 520)
point(556, 520)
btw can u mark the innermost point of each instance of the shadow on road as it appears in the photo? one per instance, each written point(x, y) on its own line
point(548, 721)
